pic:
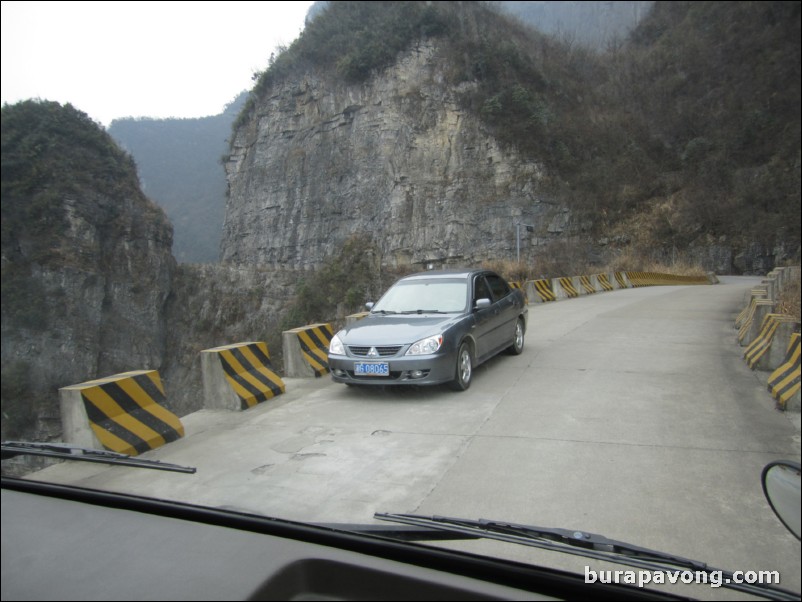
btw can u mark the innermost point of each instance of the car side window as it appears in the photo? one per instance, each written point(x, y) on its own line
point(498, 286)
point(481, 290)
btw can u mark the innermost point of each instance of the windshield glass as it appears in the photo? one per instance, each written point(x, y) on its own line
point(449, 296)
point(616, 183)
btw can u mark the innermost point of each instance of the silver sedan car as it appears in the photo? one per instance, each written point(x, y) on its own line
point(431, 328)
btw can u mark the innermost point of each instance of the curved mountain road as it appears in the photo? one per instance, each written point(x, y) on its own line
point(630, 413)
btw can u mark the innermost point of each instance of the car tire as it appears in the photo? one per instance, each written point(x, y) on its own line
point(463, 370)
point(517, 346)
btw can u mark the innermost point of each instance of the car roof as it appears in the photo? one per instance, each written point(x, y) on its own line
point(450, 273)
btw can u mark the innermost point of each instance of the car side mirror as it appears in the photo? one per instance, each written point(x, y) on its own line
point(483, 303)
point(781, 486)
point(369, 305)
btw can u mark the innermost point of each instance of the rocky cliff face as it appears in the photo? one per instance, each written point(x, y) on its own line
point(92, 306)
point(89, 285)
point(397, 157)
point(213, 305)
point(86, 264)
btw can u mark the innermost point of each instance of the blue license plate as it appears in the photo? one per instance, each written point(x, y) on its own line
point(372, 369)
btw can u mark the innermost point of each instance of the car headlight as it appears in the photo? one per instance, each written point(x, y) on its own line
point(336, 346)
point(426, 346)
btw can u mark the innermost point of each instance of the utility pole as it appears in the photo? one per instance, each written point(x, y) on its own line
point(529, 228)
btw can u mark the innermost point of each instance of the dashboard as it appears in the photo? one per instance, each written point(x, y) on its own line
point(61, 542)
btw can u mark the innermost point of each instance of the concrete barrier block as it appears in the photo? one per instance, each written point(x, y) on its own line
point(784, 382)
point(771, 288)
point(542, 291)
point(604, 283)
point(750, 327)
point(749, 308)
point(762, 309)
point(124, 413)
point(239, 376)
point(355, 317)
point(75, 427)
point(306, 350)
point(779, 344)
point(565, 288)
point(757, 353)
point(531, 292)
point(585, 285)
point(638, 279)
point(521, 286)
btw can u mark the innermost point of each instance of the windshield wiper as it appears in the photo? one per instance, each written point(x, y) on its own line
point(383, 311)
point(425, 311)
point(11, 449)
point(585, 544)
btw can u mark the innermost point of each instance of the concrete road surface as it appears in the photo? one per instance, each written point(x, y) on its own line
point(630, 414)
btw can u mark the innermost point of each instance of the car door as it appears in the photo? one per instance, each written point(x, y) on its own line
point(484, 317)
point(505, 312)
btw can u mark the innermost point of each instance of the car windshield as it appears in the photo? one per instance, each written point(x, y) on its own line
point(447, 296)
point(578, 223)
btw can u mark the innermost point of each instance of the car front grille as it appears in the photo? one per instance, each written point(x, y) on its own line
point(383, 351)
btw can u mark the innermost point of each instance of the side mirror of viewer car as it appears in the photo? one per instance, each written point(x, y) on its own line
point(781, 485)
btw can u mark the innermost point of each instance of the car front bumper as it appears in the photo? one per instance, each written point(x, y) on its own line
point(404, 370)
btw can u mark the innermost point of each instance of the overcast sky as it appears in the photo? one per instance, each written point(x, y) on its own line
point(140, 59)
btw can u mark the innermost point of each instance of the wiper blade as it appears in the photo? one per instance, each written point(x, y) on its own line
point(425, 311)
point(549, 538)
point(384, 311)
point(11, 449)
point(585, 544)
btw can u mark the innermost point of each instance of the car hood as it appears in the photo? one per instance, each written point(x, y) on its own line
point(395, 329)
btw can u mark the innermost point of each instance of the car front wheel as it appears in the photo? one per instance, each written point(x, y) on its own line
point(518, 339)
point(464, 369)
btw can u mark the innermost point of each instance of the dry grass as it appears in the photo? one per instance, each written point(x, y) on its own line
point(789, 300)
point(557, 265)
point(629, 262)
point(511, 270)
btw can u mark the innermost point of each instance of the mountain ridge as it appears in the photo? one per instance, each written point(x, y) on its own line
point(633, 171)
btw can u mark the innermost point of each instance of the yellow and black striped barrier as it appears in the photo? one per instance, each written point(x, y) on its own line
point(637, 279)
point(587, 285)
point(306, 350)
point(659, 279)
point(547, 289)
point(520, 287)
point(756, 293)
point(749, 319)
point(239, 376)
point(124, 413)
point(568, 288)
point(350, 319)
point(604, 282)
point(784, 382)
point(544, 291)
point(758, 348)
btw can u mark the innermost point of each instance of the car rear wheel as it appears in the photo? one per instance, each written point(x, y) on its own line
point(464, 369)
